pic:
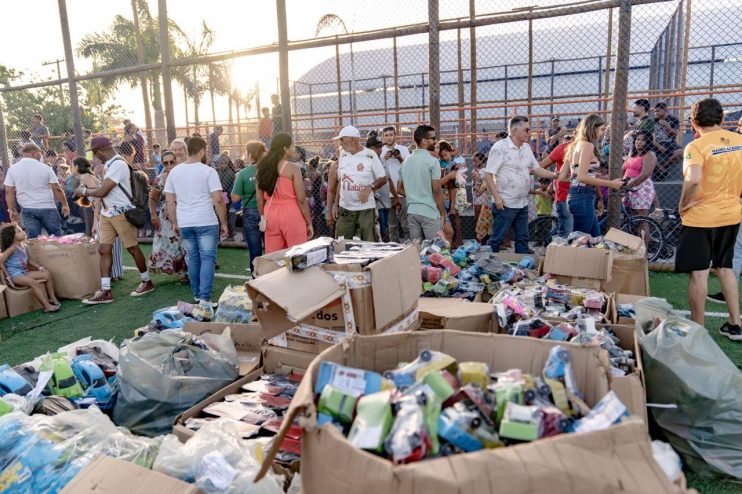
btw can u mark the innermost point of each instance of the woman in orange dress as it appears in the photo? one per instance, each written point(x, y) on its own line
point(282, 202)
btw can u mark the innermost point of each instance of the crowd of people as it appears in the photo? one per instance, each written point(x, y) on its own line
point(373, 188)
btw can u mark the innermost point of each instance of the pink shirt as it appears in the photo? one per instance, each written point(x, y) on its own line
point(633, 166)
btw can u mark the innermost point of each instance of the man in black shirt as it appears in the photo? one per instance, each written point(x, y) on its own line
point(666, 131)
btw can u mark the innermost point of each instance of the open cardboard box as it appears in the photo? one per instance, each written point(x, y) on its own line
point(247, 339)
point(577, 266)
point(616, 459)
point(630, 271)
point(106, 475)
point(18, 301)
point(275, 360)
point(455, 313)
point(327, 303)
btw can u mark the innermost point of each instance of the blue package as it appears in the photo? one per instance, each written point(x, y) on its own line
point(348, 379)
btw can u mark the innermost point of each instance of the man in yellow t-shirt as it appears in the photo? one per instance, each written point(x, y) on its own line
point(710, 212)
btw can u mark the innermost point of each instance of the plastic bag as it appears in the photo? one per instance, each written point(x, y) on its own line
point(216, 460)
point(700, 388)
point(234, 306)
point(40, 453)
point(163, 374)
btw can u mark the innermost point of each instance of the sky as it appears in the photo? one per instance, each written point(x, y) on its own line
point(238, 24)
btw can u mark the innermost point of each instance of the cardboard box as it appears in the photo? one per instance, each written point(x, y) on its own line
point(106, 475)
point(328, 302)
point(268, 263)
point(455, 313)
point(275, 360)
point(630, 272)
point(579, 267)
point(75, 267)
point(18, 301)
point(3, 307)
point(623, 298)
point(613, 460)
point(247, 339)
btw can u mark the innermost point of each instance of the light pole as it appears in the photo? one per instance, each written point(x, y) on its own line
point(332, 20)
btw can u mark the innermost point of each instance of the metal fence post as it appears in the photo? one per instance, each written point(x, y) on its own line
point(4, 159)
point(143, 78)
point(434, 74)
point(460, 126)
point(600, 82)
point(167, 88)
point(71, 81)
point(711, 72)
point(339, 81)
point(684, 71)
point(473, 75)
point(283, 65)
point(608, 56)
point(551, 89)
point(396, 82)
point(618, 117)
point(530, 66)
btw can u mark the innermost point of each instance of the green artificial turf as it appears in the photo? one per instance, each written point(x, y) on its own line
point(25, 337)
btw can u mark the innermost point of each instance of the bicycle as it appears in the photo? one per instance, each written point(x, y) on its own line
point(540, 229)
point(640, 226)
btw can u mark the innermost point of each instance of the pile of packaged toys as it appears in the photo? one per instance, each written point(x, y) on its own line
point(62, 410)
point(71, 239)
point(583, 240)
point(435, 406)
point(322, 251)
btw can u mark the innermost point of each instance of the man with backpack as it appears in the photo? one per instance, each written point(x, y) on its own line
point(123, 194)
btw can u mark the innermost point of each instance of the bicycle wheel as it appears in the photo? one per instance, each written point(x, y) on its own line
point(539, 230)
point(647, 228)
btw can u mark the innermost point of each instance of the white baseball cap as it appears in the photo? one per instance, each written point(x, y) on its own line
point(348, 131)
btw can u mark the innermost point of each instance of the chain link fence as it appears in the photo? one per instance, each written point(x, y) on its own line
point(345, 66)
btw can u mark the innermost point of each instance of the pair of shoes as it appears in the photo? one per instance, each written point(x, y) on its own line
point(716, 297)
point(731, 331)
point(100, 297)
point(143, 288)
point(117, 278)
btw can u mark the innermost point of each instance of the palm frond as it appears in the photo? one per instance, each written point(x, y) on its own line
point(328, 21)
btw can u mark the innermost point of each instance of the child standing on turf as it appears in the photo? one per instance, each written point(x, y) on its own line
point(16, 264)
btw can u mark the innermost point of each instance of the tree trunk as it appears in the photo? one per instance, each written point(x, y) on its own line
point(231, 125)
point(161, 134)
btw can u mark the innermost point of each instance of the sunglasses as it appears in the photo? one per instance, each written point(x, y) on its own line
point(168, 162)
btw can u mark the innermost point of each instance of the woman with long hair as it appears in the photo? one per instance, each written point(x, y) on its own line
point(168, 253)
point(583, 155)
point(638, 169)
point(281, 198)
point(245, 190)
point(180, 150)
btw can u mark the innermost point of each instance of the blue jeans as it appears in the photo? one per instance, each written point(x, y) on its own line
point(201, 243)
point(515, 218)
point(36, 219)
point(563, 226)
point(253, 235)
point(383, 222)
point(581, 203)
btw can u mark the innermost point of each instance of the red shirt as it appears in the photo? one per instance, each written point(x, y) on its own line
point(561, 188)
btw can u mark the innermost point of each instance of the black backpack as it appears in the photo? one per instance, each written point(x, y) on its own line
point(139, 197)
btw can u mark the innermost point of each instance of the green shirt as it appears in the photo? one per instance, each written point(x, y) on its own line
point(417, 173)
point(645, 123)
point(244, 185)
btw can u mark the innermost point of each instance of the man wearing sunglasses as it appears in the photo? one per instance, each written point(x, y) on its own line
point(508, 175)
point(420, 182)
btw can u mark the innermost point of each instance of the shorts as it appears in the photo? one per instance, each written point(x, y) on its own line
point(117, 226)
point(641, 197)
point(701, 248)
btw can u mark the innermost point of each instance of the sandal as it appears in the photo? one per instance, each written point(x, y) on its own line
point(54, 308)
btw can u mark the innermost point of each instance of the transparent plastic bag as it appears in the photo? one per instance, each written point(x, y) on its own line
point(163, 374)
point(700, 388)
point(235, 306)
point(41, 453)
point(216, 460)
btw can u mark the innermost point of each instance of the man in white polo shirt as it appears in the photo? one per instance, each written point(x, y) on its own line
point(35, 186)
point(508, 175)
point(359, 175)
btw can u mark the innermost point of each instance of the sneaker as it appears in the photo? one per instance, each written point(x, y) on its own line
point(213, 305)
point(733, 332)
point(716, 297)
point(143, 288)
point(100, 297)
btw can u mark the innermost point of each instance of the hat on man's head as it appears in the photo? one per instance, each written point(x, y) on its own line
point(348, 131)
point(373, 140)
point(99, 142)
point(555, 118)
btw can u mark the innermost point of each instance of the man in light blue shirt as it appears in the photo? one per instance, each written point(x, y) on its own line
point(420, 182)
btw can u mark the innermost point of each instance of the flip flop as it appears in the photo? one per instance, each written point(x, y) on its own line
point(54, 308)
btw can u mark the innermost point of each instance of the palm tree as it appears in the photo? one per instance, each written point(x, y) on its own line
point(116, 47)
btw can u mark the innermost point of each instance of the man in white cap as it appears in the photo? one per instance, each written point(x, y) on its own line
point(359, 174)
